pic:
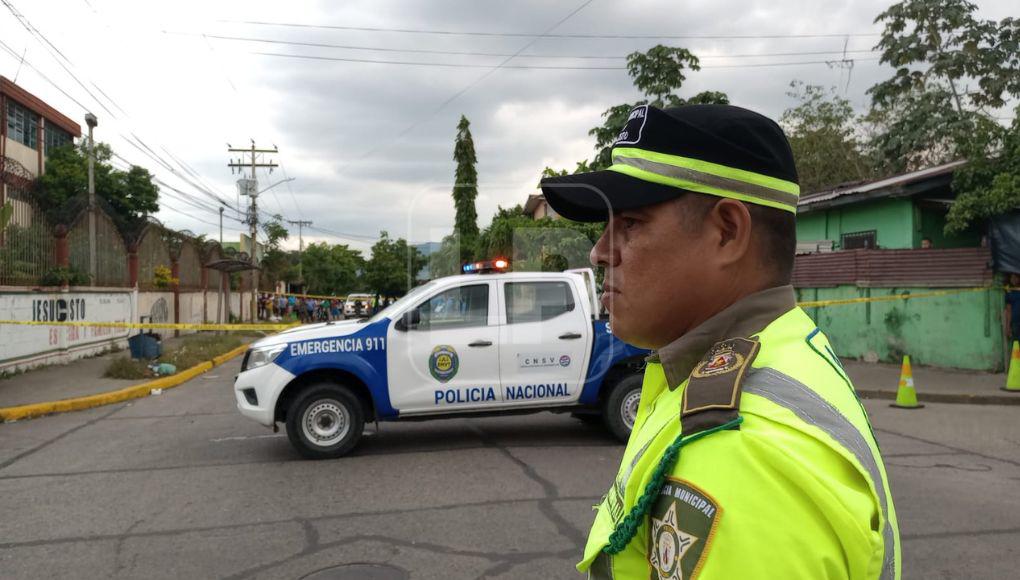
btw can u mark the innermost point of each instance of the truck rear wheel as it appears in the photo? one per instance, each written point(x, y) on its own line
point(621, 406)
point(325, 421)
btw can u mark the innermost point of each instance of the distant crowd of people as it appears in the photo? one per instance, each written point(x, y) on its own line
point(276, 307)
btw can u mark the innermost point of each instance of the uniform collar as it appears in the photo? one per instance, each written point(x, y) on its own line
point(743, 318)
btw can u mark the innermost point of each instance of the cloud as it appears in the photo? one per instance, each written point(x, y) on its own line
point(370, 145)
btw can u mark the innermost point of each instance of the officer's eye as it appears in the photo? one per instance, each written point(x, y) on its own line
point(628, 223)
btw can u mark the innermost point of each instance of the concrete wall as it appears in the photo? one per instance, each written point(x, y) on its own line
point(23, 346)
point(155, 306)
point(960, 330)
point(27, 346)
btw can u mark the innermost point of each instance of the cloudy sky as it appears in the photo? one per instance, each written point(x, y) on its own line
point(369, 144)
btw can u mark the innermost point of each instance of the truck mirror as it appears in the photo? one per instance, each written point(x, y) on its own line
point(410, 320)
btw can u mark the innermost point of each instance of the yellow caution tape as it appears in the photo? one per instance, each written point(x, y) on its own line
point(890, 298)
point(154, 325)
point(278, 327)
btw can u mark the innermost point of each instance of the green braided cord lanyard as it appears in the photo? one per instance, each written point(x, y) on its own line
point(627, 528)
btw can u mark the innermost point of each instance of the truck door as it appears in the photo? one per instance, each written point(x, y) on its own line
point(544, 342)
point(448, 360)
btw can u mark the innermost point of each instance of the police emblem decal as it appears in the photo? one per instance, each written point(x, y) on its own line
point(683, 522)
point(565, 361)
point(443, 363)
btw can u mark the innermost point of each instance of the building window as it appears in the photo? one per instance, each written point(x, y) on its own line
point(55, 137)
point(859, 240)
point(22, 124)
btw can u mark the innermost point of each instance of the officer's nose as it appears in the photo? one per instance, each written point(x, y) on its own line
point(605, 253)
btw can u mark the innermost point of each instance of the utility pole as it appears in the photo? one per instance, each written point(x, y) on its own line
point(92, 122)
point(220, 302)
point(251, 189)
point(301, 244)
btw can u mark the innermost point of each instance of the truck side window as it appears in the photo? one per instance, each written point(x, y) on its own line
point(456, 308)
point(537, 301)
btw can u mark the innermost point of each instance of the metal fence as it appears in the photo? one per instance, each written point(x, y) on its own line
point(111, 253)
point(27, 243)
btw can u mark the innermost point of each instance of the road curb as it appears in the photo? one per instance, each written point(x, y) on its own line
point(953, 398)
point(33, 410)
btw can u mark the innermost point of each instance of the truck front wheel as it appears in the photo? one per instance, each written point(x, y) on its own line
point(621, 406)
point(325, 421)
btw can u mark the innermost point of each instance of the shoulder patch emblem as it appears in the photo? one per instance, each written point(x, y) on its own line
point(720, 361)
point(683, 521)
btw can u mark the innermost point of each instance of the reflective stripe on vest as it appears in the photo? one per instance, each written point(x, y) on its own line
point(811, 408)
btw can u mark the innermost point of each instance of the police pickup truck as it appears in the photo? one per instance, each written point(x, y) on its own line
point(483, 343)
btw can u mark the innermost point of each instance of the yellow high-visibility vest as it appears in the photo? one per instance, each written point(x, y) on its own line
point(796, 490)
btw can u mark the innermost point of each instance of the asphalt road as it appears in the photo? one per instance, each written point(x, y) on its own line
point(181, 486)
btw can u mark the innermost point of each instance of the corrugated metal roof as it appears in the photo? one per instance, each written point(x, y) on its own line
point(895, 268)
point(875, 186)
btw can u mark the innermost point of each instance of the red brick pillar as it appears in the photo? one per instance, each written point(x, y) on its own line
point(61, 249)
point(205, 301)
point(175, 273)
point(132, 265)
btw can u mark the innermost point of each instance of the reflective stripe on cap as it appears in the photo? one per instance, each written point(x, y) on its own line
point(705, 177)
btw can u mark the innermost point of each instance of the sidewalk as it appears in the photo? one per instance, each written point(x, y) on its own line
point(79, 378)
point(933, 384)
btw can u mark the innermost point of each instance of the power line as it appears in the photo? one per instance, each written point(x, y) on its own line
point(60, 58)
point(473, 83)
point(538, 67)
point(436, 64)
point(548, 35)
point(491, 54)
point(41, 75)
point(41, 38)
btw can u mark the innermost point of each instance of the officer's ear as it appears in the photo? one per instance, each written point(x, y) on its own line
point(730, 221)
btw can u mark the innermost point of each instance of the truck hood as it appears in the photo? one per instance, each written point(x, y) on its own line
point(312, 331)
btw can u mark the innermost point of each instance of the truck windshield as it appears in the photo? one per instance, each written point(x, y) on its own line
point(410, 297)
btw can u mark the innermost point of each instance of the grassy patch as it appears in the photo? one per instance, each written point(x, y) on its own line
point(199, 348)
point(127, 368)
point(192, 350)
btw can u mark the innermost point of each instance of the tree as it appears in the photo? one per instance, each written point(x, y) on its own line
point(821, 131)
point(276, 262)
point(989, 185)
point(953, 71)
point(951, 67)
point(658, 73)
point(543, 245)
point(332, 269)
point(392, 269)
point(63, 189)
point(465, 186)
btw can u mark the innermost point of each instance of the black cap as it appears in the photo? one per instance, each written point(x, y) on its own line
point(661, 153)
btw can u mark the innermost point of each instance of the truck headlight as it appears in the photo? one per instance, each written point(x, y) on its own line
point(258, 357)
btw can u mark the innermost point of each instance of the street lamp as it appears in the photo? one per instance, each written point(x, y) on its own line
point(92, 122)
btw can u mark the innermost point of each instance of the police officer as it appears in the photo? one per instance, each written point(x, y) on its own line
point(750, 454)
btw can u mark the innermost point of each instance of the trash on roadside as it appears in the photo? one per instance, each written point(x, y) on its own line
point(162, 369)
point(156, 392)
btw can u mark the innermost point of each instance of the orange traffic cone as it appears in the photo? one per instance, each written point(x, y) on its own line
point(1013, 376)
point(906, 396)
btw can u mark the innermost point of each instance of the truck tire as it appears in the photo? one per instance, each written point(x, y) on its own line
point(325, 421)
point(620, 407)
